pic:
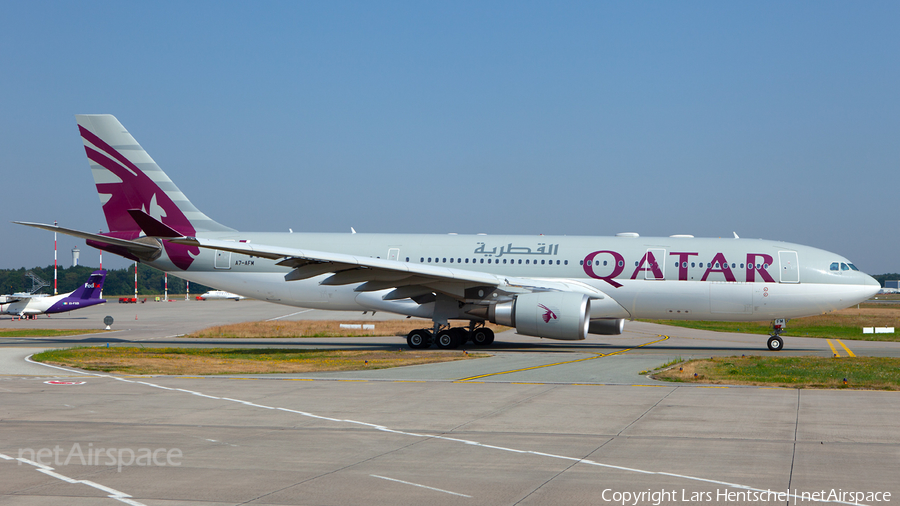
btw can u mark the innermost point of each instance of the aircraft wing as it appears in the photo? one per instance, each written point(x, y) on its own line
point(407, 278)
point(16, 297)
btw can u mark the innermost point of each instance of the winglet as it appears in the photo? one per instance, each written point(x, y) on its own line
point(151, 226)
point(735, 235)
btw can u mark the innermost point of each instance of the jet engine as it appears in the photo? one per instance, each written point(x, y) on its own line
point(554, 315)
point(607, 327)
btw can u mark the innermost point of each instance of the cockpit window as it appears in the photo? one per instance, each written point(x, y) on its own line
point(853, 267)
point(844, 267)
point(834, 266)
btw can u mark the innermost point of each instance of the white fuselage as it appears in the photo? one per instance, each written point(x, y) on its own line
point(32, 305)
point(643, 277)
point(219, 295)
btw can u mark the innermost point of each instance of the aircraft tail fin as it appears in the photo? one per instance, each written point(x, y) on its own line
point(127, 178)
point(92, 288)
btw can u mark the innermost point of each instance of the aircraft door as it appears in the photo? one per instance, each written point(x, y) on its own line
point(655, 264)
point(790, 266)
point(394, 254)
point(223, 259)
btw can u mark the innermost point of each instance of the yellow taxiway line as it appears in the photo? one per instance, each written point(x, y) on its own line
point(844, 346)
point(599, 355)
point(833, 350)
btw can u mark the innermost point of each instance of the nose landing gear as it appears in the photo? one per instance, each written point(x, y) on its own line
point(776, 343)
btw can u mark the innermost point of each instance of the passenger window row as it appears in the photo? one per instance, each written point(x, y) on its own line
point(693, 264)
point(444, 260)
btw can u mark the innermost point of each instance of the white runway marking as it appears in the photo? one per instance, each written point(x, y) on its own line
point(49, 471)
point(445, 438)
point(418, 485)
point(287, 315)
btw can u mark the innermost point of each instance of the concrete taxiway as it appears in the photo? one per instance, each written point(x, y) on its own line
point(539, 422)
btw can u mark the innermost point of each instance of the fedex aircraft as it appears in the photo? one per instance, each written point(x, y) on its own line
point(29, 305)
point(556, 287)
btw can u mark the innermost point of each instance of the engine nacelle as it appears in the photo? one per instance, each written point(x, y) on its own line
point(607, 327)
point(554, 315)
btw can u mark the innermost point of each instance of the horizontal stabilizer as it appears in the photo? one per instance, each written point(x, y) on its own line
point(150, 226)
point(135, 246)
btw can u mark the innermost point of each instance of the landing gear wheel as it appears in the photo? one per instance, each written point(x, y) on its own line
point(419, 339)
point(775, 343)
point(463, 335)
point(448, 339)
point(483, 336)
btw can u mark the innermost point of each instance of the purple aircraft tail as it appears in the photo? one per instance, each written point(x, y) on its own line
point(85, 295)
point(91, 289)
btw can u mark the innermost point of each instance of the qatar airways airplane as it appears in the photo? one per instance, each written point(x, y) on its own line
point(556, 287)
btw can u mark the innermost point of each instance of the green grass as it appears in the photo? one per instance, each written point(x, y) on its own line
point(881, 373)
point(127, 351)
point(45, 332)
point(133, 360)
point(795, 328)
point(674, 361)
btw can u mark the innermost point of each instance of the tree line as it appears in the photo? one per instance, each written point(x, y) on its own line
point(884, 277)
point(119, 282)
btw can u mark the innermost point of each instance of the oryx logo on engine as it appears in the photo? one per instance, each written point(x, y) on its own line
point(548, 313)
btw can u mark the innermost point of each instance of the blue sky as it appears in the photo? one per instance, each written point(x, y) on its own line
point(775, 120)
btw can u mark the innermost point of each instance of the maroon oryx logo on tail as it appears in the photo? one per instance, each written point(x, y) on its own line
point(135, 190)
point(548, 313)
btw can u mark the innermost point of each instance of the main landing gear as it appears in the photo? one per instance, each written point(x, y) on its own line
point(449, 338)
point(776, 343)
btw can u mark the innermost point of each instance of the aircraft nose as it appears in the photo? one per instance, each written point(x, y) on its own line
point(872, 284)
